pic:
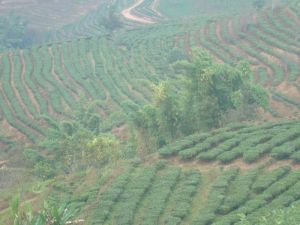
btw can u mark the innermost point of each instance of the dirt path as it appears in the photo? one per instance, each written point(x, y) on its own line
point(197, 36)
point(57, 77)
point(232, 33)
point(14, 87)
point(289, 90)
point(275, 60)
point(13, 133)
point(218, 32)
point(229, 26)
point(221, 43)
point(283, 109)
point(292, 15)
point(154, 7)
point(127, 13)
point(108, 99)
point(187, 45)
point(93, 62)
point(266, 162)
point(255, 69)
point(69, 76)
point(103, 189)
point(29, 92)
point(288, 33)
point(289, 55)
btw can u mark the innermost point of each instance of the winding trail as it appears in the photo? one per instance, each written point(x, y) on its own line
point(266, 162)
point(14, 87)
point(127, 13)
point(154, 7)
point(23, 79)
point(57, 77)
point(232, 33)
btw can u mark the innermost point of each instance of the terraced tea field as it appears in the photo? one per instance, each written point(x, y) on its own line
point(202, 193)
point(203, 179)
point(161, 193)
point(49, 80)
point(46, 82)
point(280, 141)
point(49, 15)
point(268, 41)
point(194, 190)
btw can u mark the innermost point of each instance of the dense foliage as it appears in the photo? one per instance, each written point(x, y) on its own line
point(288, 215)
point(197, 93)
point(210, 94)
point(74, 144)
point(49, 215)
point(12, 32)
point(277, 140)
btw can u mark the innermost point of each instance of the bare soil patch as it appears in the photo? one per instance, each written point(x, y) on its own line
point(127, 13)
point(29, 92)
point(289, 90)
point(289, 55)
point(57, 76)
point(266, 162)
point(154, 7)
point(50, 14)
point(15, 90)
point(12, 132)
point(232, 33)
point(122, 132)
point(292, 15)
point(283, 109)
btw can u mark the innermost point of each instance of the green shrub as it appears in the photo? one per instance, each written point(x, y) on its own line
point(267, 179)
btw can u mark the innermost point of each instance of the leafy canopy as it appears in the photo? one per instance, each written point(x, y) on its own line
point(208, 95)
point(74, 144)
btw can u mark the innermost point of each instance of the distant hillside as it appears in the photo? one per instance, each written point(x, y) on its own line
point(241, 170)
point(48, 80)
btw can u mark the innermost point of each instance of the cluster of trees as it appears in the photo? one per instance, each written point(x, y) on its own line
point(259, 4)
point(12, 31)
point(208, 96)
point(111, 21)
point(289, 215)
point(74, 144)
point(48, 215)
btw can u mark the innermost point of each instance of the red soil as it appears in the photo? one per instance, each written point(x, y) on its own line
point(30, 93)
point(15, 90)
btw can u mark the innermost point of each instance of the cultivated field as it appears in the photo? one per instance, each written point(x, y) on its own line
point(202, 179)
point(49, 15)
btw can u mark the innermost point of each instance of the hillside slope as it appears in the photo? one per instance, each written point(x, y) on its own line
point(49, 80)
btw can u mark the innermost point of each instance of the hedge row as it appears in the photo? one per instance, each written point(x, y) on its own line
point(183, 196)
point(215, 198)
point(109, 198)
point(267, 179)
point(157, 197)
point(128, 201)
point(239, 192)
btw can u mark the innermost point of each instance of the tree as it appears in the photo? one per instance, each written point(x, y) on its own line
point(155, 124)
point(49, 215)
point(167, 114)
point(259, 4)
point(208, 94)
point(74, 144)
point(12, 31)
point(212, 90)
point(275, 216)
point(112, 20)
